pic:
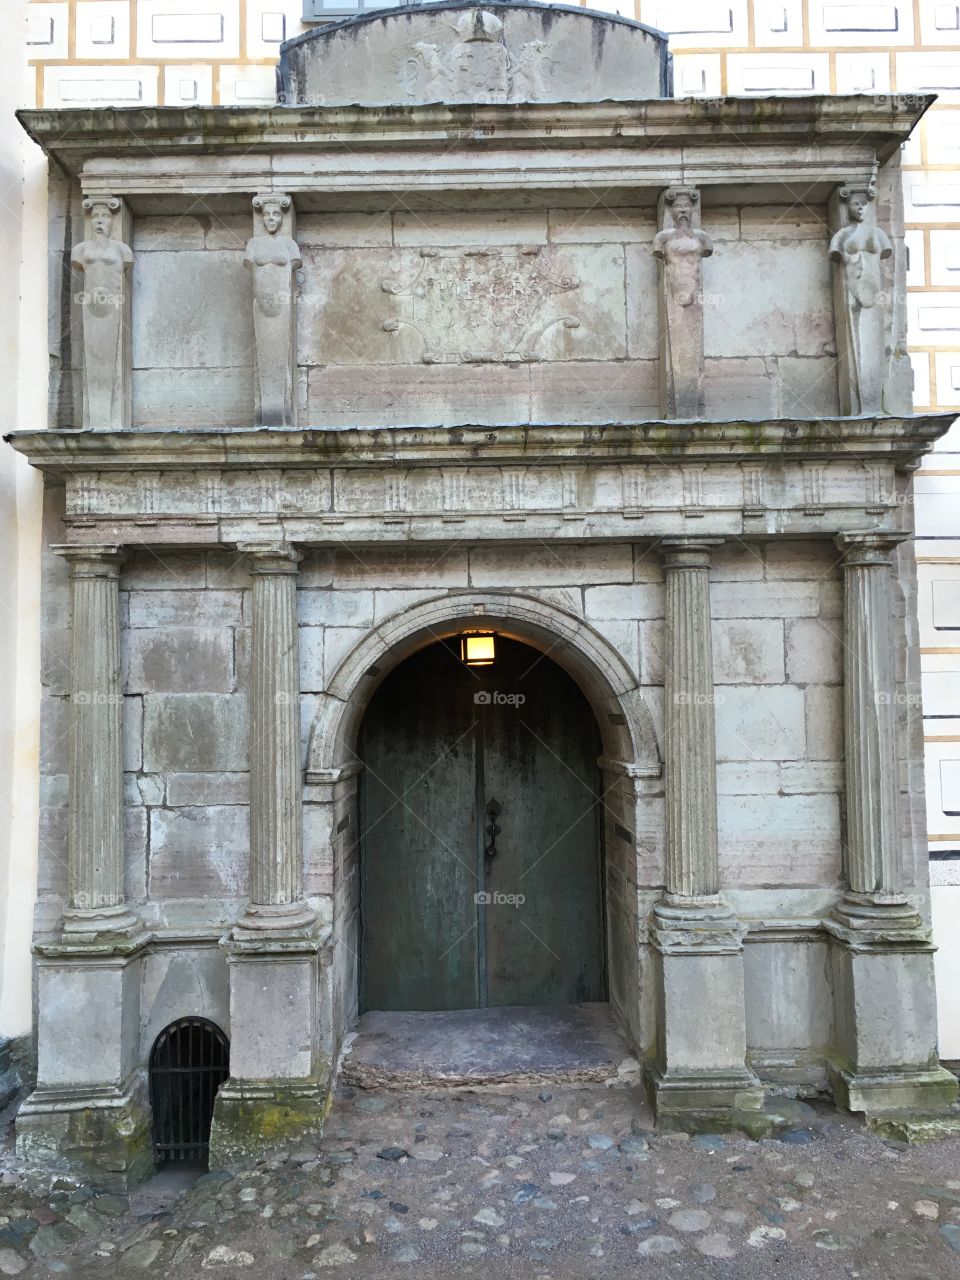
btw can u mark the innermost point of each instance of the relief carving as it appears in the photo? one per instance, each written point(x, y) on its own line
point(857, 249)
point(104, 261)
point(273, 257)
point(480, 305)
point(476, 65)
point(680, 247)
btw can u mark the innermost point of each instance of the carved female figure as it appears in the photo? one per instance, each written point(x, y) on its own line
point(857, 251)
point(273, 258)
point(104, 263)
point(681, 248)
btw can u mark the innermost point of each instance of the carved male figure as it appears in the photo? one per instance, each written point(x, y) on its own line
point(680, 246)
point(273, 258)
point(857, 251)
point(104, 262)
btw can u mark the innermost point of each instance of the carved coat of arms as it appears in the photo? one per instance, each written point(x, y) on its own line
point(477, 66)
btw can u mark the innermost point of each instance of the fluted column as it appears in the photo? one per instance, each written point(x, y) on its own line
point(874, 871)
point(276, 807)
point(690, 739)
point(95, 835)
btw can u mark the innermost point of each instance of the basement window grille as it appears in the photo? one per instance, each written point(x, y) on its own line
point(189, 1063)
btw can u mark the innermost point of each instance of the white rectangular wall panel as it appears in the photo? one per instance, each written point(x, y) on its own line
point(864, 22)
point(47, 30)
point(188, 28)
point(185, 86)
point(108, 86)
point(778, 73)
point(103, 30)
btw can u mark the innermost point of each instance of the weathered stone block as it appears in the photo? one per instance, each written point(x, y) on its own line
point(195, 733)
point(209, 293)
point(747, 651)
point(823, 718)
point(745, 387)
point(207, 789)
point(814, 651)
point(767, 600)
point(543, 566)
point(335, 608)
point(760, 723)
point(179, 660)
point(777, 839)
point(796, 318)
point(630, 601)
point(209, 608)
point(199, 852)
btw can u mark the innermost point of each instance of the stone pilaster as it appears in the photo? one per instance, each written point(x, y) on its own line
point(882, 955)
point(697, 1079)
point(279, 1087)
point(88, 1115)
point(95, 836)
point(276, 801)
point(873, 839)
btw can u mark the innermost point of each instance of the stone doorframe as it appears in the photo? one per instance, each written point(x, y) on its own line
point(630, 766)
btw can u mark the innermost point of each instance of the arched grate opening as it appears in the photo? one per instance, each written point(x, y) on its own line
point(189, 1062)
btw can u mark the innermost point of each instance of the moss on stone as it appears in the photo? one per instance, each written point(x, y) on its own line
point(246, 1127)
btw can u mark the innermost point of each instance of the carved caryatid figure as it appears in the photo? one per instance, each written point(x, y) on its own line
point(273, 257)
point(680, 246)
point(104, 262)
point(857, 250)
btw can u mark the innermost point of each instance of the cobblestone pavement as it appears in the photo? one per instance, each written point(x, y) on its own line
point(547, 1184)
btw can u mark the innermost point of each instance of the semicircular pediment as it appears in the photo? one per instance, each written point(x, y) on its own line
point(507, 51)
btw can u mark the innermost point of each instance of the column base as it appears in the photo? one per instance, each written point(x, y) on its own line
point(884, 1062)
point(705, 1102)
point(86, 925)
point(700, 1080)
point(100, 1136)
point(891, 1092)
point(281, 921)
point(251, 1118)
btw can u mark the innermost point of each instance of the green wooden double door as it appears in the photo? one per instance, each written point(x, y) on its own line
point(480, 839)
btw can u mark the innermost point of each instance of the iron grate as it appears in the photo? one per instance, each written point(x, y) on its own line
point(189, 1062)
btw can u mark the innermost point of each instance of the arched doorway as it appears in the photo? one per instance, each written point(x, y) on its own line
point(189, 1062)
point(481, 857)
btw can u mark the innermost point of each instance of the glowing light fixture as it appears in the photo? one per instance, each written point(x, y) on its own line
point(477, 648)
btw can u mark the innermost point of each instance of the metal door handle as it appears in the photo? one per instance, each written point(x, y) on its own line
point(494, 810)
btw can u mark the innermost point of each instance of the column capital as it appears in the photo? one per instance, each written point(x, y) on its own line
point(688, 552)
point(868, 547)
point(91, 560)
point(271, 557)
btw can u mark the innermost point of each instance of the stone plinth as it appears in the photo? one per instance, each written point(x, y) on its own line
point(279, 1090)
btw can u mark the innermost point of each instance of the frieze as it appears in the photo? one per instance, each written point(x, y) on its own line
point(407, 495)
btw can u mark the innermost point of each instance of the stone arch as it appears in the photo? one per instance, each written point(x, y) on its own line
point(605, 678)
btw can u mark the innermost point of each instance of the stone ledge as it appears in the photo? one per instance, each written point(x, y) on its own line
point(71, 136)
point(64, 452)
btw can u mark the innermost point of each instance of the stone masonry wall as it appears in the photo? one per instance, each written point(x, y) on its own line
point(403, 317)
point(776, 628)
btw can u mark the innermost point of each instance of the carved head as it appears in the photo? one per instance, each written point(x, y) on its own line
point(271, 210)
point(101, 213)
point(858, 201)
point(682, 202)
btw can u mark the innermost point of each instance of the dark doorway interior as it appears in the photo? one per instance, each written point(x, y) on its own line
point(481, 858)
point(189, 1062)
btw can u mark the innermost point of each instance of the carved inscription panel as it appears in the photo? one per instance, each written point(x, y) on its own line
point(464, 305)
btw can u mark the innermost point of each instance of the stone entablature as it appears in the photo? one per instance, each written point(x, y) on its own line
point(801, 477)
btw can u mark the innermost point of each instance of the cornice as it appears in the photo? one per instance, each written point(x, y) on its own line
point(72, 136)
point(901, 440)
